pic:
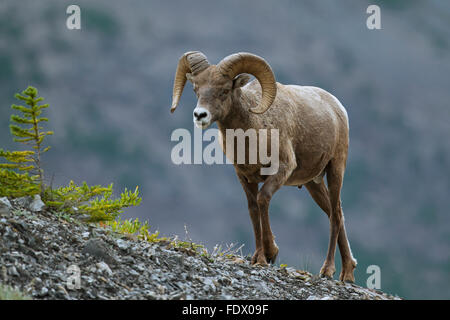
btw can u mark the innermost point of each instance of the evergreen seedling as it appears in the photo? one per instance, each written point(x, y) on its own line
point(15, 178)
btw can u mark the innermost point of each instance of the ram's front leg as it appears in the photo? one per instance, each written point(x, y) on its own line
point(251, 191)
point(270, 186)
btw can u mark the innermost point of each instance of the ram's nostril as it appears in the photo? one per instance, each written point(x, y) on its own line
point(200, 115)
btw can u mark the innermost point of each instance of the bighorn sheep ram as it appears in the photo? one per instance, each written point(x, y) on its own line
point(313, 141)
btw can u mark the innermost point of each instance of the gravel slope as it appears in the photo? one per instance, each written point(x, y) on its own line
point(42, 254)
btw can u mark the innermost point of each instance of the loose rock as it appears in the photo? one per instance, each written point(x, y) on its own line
point(47, 258)
point(5, 206)
point(37, 204)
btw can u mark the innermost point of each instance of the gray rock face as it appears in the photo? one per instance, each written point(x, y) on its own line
point(23, 202)
point(5, 206)
point(98, 249)
point(103, 268)
point(34, 204)
point(48, 258)
point(37, 204)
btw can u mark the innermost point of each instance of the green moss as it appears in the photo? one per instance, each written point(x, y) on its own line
point(135, 228)
point(9, 293)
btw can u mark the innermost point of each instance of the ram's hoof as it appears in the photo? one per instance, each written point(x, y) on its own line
point(259, 258)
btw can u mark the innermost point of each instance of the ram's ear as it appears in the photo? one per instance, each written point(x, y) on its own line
point(241, 80)
point(189, 76)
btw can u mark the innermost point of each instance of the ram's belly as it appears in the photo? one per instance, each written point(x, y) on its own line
point(310, 164)
point(302, 174)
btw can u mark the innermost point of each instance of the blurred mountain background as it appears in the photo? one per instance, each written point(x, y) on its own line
point(109, 87)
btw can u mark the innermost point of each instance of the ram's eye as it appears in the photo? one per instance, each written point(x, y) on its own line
point(224, 93)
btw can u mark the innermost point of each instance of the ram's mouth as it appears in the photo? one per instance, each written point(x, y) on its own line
point(202, 124)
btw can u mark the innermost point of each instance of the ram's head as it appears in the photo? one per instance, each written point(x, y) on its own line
point(215, 85)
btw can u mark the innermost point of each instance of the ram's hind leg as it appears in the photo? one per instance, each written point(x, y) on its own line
point(319, 193)
point(335, 176)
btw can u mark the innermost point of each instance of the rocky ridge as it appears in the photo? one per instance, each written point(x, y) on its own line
point(52, 256)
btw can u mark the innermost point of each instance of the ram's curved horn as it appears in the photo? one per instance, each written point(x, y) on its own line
point(191, 62)
point(244, 62)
